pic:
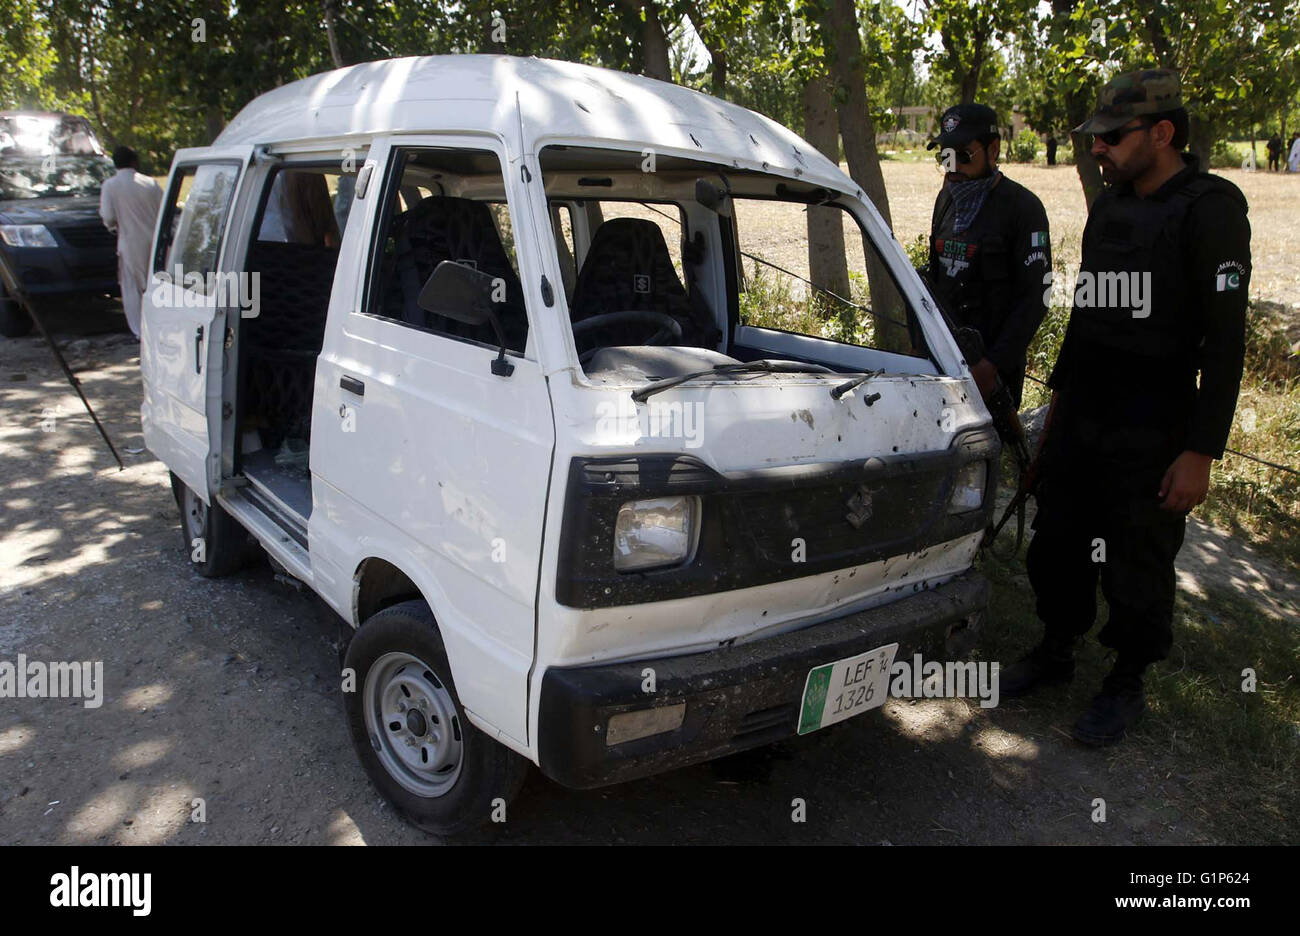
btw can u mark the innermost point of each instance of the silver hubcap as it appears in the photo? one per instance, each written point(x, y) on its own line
point(413, 725)
point(196, 513)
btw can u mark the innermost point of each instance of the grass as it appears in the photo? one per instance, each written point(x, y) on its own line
point(1237, 751)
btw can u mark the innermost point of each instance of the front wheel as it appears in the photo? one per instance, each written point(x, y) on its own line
point(410, 731)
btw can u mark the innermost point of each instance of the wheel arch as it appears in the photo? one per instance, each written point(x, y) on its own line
point(378, 584)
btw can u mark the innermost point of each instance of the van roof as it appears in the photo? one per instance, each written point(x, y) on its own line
point(557, 99)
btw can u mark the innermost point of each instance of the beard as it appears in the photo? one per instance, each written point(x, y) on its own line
point(1133, 167)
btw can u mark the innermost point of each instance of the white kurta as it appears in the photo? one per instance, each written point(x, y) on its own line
point(128, 203)
point(1293, 161)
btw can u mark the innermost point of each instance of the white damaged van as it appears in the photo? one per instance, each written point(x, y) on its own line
point(523, 367)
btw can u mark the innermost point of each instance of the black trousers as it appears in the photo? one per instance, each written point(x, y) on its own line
point(1085, 533)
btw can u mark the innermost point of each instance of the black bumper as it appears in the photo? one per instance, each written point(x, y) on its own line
point(736, 697)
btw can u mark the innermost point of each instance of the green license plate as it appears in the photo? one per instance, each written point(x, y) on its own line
point(840, 690)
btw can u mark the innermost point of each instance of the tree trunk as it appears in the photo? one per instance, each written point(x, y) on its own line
point(827, 264)
point(859, 136)
point(654, 46)
point(1078, 109)
point(215, 120)
point(335, 54)
point(1200, 140)
point(717, 55)
point(970, 81)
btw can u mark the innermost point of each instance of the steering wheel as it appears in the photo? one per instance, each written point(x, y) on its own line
point(670, 330)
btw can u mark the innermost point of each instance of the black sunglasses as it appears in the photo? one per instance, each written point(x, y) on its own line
point(1112, 137)
point(962, 156)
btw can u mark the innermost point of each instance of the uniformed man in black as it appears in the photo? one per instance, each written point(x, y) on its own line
point(989, 247)
point(1131, 433)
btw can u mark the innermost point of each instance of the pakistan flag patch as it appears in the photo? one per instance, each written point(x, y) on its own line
point(1038, 239)
point(1228, 276)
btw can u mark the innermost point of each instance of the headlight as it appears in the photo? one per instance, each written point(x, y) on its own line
point(968, 489)
point(27, 235)
point(657, 532)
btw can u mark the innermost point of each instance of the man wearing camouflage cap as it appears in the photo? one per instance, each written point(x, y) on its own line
point(1131, 434)
point(989, 247)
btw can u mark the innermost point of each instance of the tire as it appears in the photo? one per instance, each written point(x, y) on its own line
point(227, 547)
point(14, 320)
point(446, 784)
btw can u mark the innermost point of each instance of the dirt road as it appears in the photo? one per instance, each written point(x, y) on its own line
point(226, 692)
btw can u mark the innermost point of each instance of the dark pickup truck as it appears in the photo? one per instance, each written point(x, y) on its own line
point(52, 241)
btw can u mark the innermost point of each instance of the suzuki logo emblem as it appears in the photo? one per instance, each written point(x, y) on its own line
point(859, 507)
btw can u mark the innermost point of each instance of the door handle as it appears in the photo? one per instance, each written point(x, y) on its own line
point(352, 385)
point(198, 350)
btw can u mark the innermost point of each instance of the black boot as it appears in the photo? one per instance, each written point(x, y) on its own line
point(1049, 664)
point(1117, 708)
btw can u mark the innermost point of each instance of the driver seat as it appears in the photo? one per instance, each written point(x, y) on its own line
point(628, 268)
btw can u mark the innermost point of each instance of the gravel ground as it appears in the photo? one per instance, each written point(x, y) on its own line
point(226, 691)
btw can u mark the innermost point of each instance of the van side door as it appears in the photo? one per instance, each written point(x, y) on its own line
point(184, 311)
point(426, 450)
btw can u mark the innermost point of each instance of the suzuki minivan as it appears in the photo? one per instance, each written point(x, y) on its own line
point(610, 417)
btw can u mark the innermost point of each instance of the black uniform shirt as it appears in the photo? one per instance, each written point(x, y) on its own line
point(991, 275)
point(1109, 391)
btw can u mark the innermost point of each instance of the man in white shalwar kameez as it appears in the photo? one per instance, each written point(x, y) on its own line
point(128, 203)
point(1293, 160)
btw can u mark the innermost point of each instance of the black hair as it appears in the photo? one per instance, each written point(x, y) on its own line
point(125, 158)
point(1177, 117)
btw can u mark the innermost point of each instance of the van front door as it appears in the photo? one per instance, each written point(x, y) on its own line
point(430, 449)
point(184, 312)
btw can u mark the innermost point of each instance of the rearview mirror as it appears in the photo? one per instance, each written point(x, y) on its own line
point(713, 197)
point(464, 294)
point(458, 291)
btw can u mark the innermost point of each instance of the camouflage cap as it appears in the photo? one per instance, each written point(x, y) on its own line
point(1133, 94)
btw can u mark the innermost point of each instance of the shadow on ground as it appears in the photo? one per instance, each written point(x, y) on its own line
point(227, 692)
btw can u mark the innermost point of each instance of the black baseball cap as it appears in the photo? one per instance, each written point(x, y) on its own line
point(962, 123)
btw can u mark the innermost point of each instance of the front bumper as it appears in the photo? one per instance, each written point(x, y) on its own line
point(737, 697)
point(48, 272)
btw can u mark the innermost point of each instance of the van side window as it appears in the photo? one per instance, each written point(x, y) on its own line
point(562, 223)
point(304, 210)
point(447, 205)
point(195, 220)
point(307, 206)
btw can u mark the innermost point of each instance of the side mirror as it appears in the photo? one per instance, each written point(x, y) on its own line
point(713, 197)
point(464, 294)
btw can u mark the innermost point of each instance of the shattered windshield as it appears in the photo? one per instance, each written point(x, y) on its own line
point(52, 176)
point(39, 135)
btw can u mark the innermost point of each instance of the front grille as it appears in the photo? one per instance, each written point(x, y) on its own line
point(839, 521)
point(87, 236)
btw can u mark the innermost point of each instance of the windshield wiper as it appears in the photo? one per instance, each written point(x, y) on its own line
point(841, 389)
point(761, 367)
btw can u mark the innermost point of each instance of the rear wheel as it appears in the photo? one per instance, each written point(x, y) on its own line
point(14, 320)
point(410, 731)
point(215, 542)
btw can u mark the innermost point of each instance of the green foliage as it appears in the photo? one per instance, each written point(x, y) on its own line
point(1024, 148)
point(1225, 155)
point(918, 251)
